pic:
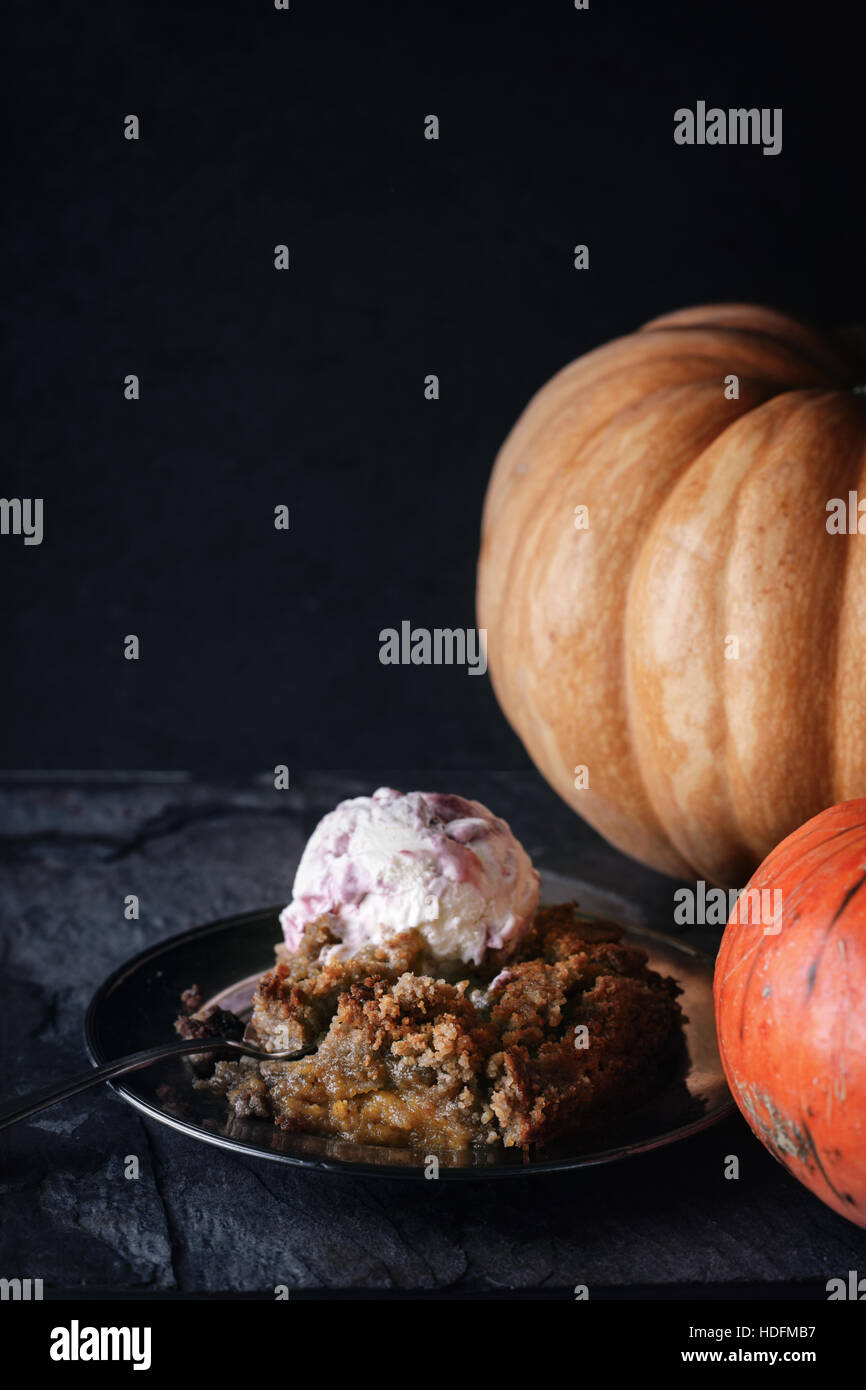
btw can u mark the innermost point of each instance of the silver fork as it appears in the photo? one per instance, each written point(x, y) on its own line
point(22, 1107)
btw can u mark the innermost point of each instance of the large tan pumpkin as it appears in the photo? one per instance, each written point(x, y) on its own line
point(701, 648)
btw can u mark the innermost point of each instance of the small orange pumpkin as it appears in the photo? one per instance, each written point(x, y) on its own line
point(790, 996)
point(685, 658)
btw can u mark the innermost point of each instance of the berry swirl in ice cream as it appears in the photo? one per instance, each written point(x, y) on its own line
point(379, 865)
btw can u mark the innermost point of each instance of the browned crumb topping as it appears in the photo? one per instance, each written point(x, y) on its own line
point(568, 1034)
point(295, 1002)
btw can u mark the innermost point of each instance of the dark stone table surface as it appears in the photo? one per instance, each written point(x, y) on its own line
point(199, 1220)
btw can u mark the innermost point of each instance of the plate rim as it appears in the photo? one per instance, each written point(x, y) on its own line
point(363, 1168)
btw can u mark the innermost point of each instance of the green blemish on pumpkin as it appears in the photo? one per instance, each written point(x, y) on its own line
point(779, 1133)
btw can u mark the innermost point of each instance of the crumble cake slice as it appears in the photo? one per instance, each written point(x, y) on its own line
point(571, 1032)
point(401, 1062)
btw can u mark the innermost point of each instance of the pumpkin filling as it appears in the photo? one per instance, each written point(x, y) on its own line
point(573, 1031)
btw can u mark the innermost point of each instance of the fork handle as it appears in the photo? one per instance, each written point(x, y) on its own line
point(22, 1107)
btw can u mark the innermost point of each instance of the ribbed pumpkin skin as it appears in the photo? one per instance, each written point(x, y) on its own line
point(707, 520)
point(791, 1009)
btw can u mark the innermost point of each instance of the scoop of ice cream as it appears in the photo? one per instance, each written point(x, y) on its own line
point(382, 864)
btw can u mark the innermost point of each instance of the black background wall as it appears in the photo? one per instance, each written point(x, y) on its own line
point(408, 257)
